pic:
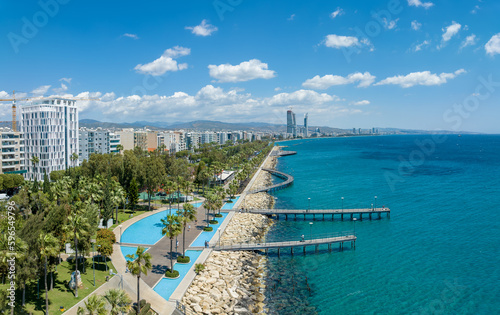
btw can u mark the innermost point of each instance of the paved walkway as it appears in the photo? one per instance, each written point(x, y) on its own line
point(161, 250)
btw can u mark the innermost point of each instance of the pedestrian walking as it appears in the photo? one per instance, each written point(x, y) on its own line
point(189, 227)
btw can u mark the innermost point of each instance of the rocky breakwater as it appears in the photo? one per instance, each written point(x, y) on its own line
point(232, 282)
point(261, 200)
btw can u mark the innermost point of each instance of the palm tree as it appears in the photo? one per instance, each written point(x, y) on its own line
point(119, 148)
point(73, 158)
point(118, 300)
point(171, 228)
point(49, 246)
point(96, 305)
point(76, 228)
point(188, 215)
point(139, 264)
point(210, 204)
point(34, 160)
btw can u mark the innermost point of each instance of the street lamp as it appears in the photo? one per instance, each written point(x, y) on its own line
point(309, 207)
point(117, 274)
point(310, 229)
point(342, 203)
point(372, 206)
point(93, 254)
point(375, 202)
point(120, 226)
point(354, 219)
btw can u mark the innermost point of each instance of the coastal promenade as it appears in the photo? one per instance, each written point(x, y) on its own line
point(282, 153)
point(349, 212)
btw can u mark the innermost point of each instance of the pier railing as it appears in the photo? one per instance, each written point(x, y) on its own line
point(301, 240)
point(288, 181)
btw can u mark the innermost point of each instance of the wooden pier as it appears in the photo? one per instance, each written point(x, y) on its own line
point(341, 240)
point(350, 213)
point(288, 181)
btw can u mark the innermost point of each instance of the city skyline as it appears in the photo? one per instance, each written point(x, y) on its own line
point(399, 64)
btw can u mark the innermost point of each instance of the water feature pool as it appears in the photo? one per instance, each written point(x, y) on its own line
point(207, 236)
point(129, 250)
point(166, 286)
point(145, 231)
point(229, 206)
point(197, 205)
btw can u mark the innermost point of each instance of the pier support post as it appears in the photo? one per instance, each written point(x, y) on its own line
point(278, 252)
point(370, 216)
point(342, 217)
point(317, 247)
point(291, 250)
point(323, 217)
point(286, 217)
point(329, 248)
point(352, 215)
point(361, 217)
point(304, 250)
point(267, 251)
point(295, 219)
point(379, 215)
point(304, 216)
point(314, 217)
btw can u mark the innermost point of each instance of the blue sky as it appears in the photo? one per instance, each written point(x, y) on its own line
point(404, 64)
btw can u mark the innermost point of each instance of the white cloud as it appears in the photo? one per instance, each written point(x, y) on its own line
point(165, 62)
point(133, 36)
point(449, 32)
point(68, 80)
point(336, 13)
point(360, 103)
point(291, 17)
point(204, 29)
point(61, 89)
point(338, 41)
point(326, 81)
point(389, 25)
point(493, 45)
point(415, 25)
point(4, 94)
point(420, 78)
point(277, 89)
point(418, 3)
point(41, 90)
point(245, 71)
point(474, 11)
point(469, 41)
point(301, 97)
point(422, 44)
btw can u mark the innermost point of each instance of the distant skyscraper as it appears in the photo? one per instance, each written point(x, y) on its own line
point(291, 123)
point(306, 131)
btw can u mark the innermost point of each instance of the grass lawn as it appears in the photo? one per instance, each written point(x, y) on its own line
point(61, 295)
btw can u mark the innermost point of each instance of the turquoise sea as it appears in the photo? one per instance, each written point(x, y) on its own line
point(438, 253)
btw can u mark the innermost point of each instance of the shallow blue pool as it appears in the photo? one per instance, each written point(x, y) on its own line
point(207, 236)
point(145, 231)
point(197, 205)
point(166, 286)
point(229, 206)
point(129, 250)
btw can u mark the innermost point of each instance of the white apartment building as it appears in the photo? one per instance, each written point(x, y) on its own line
point(92, 141)
point(12, 152)
point(50, 129)
point(208, 137)
point(114, 141)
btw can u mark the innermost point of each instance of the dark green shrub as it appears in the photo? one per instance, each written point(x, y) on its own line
point(214, 222)
point(208, 229)
point(218, 215)
point(183, 259)
point(171, 274)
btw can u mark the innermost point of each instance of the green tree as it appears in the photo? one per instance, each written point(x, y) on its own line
point(171, 228)
point(154, 172)
point(187, 215)
point(140, 263)
point(96, 305)
point(118, 300)
point(105, 240)
point(133, 194)
point(49, 247)
point(107, 202)
point(34, 161)
point(76, 228)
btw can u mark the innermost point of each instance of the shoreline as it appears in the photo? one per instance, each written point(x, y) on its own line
point(234, 282)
